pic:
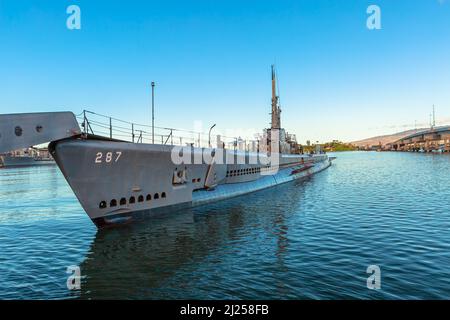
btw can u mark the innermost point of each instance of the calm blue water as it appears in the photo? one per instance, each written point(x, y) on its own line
point(310, 239)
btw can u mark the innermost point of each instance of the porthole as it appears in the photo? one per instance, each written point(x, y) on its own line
point(156, 196)
point(132, 199)
point(123, 201)
point(113, 203)
point(39, 128)
point(163, 195)
point(141, 198)
point(149, 197)
point(102, 205)
point(18, 131)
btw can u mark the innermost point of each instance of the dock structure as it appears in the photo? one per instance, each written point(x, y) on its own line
point(435, 139)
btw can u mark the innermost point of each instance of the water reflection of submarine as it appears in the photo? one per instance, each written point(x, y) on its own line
point(144, 255)
point(137, 259)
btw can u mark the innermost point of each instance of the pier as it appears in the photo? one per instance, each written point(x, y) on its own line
point(432, 140)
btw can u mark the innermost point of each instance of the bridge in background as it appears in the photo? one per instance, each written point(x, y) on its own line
point(431, 140)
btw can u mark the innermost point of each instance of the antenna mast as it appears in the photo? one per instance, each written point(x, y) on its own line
point(434, 118)
point(153, 112)
point(275, 107)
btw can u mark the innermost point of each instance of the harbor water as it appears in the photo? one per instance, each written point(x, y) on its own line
point(309, 239)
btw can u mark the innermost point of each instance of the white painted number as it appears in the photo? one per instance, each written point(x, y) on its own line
point(108, 158)
point(98, 159)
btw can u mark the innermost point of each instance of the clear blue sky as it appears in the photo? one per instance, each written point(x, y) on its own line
point(211, 61)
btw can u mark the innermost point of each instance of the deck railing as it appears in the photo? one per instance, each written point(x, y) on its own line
point(106, 126)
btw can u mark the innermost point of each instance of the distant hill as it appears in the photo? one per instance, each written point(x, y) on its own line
point(384, 139)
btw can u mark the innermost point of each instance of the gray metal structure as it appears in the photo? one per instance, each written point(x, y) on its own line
point(30, 129)
point(118, 181)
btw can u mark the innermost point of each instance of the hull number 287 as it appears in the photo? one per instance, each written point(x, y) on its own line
point(107, 157)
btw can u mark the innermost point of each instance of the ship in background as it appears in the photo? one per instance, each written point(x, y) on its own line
point(26, 157)
point(119, 181)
